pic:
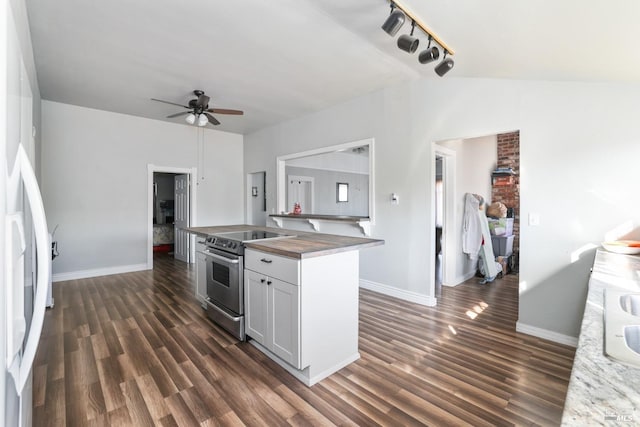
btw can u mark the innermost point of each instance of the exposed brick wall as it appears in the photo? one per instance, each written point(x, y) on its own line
point(509, 157)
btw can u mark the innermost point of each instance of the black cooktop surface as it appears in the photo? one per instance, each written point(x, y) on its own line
point(248, 236)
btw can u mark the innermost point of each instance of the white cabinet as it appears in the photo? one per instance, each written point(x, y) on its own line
point(272, 312)
point(303, 313)
point(201, 271)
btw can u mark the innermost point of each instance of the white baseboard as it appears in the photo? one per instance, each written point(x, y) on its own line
point(546, 334)
point(398, 293)
point(84, 274)
point(461, 279)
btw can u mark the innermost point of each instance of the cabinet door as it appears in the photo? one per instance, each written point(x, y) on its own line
point(256, 302)
point(201, 273)
point(284, 321)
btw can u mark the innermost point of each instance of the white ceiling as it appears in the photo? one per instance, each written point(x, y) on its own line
point(277, 60)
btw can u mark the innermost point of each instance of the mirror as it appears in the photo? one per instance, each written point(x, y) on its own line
point(329, 181)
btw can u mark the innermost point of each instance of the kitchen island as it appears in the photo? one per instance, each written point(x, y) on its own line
point(603, 391)
point(301, 297)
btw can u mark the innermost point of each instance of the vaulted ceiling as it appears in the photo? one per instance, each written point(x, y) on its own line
point(277, 60)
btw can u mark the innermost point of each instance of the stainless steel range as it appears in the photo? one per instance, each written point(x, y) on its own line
point(225, 277)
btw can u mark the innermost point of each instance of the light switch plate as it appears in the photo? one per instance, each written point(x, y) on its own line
point(534, 219)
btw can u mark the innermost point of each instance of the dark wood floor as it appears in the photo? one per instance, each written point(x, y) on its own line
point(135, 349)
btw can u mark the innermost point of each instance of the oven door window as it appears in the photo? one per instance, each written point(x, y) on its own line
point(220, 274)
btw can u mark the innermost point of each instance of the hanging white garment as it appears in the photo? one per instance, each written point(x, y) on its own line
point(471, 226)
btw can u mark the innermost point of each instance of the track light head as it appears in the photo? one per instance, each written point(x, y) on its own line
point(191, 119)
point(394, 21)
point(430, 54)
point(407, 42)
point(445, 66)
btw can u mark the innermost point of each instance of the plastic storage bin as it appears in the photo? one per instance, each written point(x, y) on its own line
point(501, 226)
point(502, 245)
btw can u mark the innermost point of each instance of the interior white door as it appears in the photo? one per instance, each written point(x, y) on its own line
point(300, 190)
point(181, 218)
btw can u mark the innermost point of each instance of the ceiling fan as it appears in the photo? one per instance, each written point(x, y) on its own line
point(199, 111)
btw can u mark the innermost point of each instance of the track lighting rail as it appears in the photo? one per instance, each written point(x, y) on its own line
point(412, 16)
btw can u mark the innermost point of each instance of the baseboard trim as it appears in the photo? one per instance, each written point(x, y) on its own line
point(398, 293)
point(85, 274)
point(461, 279)
point(547, 334)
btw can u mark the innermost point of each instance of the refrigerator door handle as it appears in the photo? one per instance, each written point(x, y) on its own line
point(23, 168)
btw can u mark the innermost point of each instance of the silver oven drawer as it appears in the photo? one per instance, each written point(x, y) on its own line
point(231, 323)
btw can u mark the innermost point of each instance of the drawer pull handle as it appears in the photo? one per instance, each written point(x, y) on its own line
point(268, 282)
point(266, 261)
point(262, 280)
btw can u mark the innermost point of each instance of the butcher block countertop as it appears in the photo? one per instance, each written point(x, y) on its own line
point(304, 244)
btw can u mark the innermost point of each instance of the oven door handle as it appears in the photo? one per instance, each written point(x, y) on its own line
point(221, 258)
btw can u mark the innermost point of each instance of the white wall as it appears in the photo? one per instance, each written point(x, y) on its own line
point(476, 158)
point(94, 167)
point(579, 144)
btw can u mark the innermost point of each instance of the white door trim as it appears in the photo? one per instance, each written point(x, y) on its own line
point(449, 216)
point(193, 174)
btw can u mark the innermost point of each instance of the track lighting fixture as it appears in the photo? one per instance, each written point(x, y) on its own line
point(191, 119)
point(394, 22)
point(202, 120)
point(430, 54)
point(409, 43)
point(444, 67)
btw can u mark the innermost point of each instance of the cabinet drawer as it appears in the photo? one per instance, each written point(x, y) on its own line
point(272, 265)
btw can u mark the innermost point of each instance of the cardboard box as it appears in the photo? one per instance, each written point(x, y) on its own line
point(504, 262)
point(501, 226)
point(502, 245)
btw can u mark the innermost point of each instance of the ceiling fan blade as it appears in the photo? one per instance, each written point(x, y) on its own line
point(212, 119)
point(225, 111)
point(203, 101)
point(178, 114)
point(168, 102)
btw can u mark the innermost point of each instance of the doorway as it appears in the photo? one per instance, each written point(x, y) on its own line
point(482, 163)
point(300, 190)
point(443, 218)
point(257, 199)
point(171, 209)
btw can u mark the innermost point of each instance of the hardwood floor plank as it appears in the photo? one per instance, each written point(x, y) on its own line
point(137, 407)
point(110, 380)
point(180, 411)
point(153, 398)
point(137, 349)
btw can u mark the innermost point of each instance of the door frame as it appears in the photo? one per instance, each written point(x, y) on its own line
point(193, 173)
point(448, 214)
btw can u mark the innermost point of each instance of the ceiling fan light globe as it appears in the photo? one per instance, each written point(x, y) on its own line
point(202, 120)
point(191, 119)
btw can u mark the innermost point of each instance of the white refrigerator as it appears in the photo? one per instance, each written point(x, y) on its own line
point(25, 252)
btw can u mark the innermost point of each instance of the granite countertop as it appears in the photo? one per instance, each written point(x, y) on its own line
point(304, 245)
point(602, 391)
